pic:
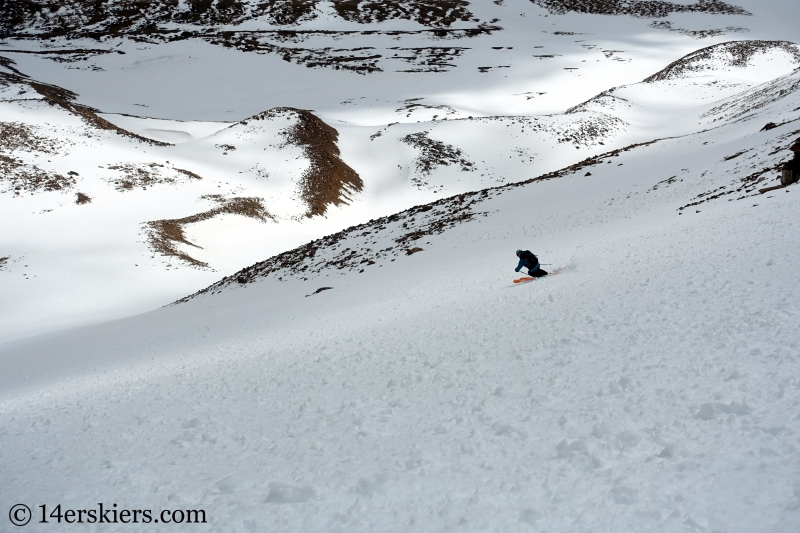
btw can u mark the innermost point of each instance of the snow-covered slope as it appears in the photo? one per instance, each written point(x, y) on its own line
point(347, 351)
point(415, 89)
point(675, 100)
point(650, 385)
point(160, 202)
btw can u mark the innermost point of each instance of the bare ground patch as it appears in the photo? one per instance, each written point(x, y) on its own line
point(159, 17)
point(433, 154)
point(22, 177)
point(164, 236)
point(362, 60)
point(19, 176)
point(328, 180)
point(589, 130)
point(156, 21)
point(428, 58)
point(144, 176)
point(638, 8)
point(425, 12)
point(19, 136)
point(412, 104)
point(697, 34)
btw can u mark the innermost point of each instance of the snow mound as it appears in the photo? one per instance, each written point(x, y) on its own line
point(742, 59)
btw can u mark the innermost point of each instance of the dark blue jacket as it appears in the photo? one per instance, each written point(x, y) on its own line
point(527, 260)
point(526, 264)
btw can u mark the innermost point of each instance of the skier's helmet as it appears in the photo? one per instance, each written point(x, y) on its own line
point(518, 252)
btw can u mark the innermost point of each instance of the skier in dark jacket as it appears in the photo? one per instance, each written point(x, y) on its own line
point(531, 262)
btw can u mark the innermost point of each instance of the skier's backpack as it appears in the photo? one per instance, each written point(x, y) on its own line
point(529, 257)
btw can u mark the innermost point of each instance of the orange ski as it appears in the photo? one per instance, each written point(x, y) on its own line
point(526, 279)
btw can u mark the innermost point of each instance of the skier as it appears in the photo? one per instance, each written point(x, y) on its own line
point(531, 262)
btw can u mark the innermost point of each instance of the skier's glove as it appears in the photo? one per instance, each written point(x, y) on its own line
point(516, 270)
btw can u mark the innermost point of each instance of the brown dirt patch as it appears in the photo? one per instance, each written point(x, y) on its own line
point(82, 198)
point(144, 176)
point(163, 236)
point(328, 180)
point(26, 177)
point(433, 154)
point(321, 289)
point(22, 177)
point(188, 173)
point(155, 21)
point(19, 136)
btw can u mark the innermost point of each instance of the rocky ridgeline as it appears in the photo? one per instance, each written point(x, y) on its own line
point(366, 244)
point(50, 18)
point(639, 8)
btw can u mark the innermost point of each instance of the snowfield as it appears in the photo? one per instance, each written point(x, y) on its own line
point(292, 308)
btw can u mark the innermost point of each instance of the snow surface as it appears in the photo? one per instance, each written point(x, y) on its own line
point(653, 384)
